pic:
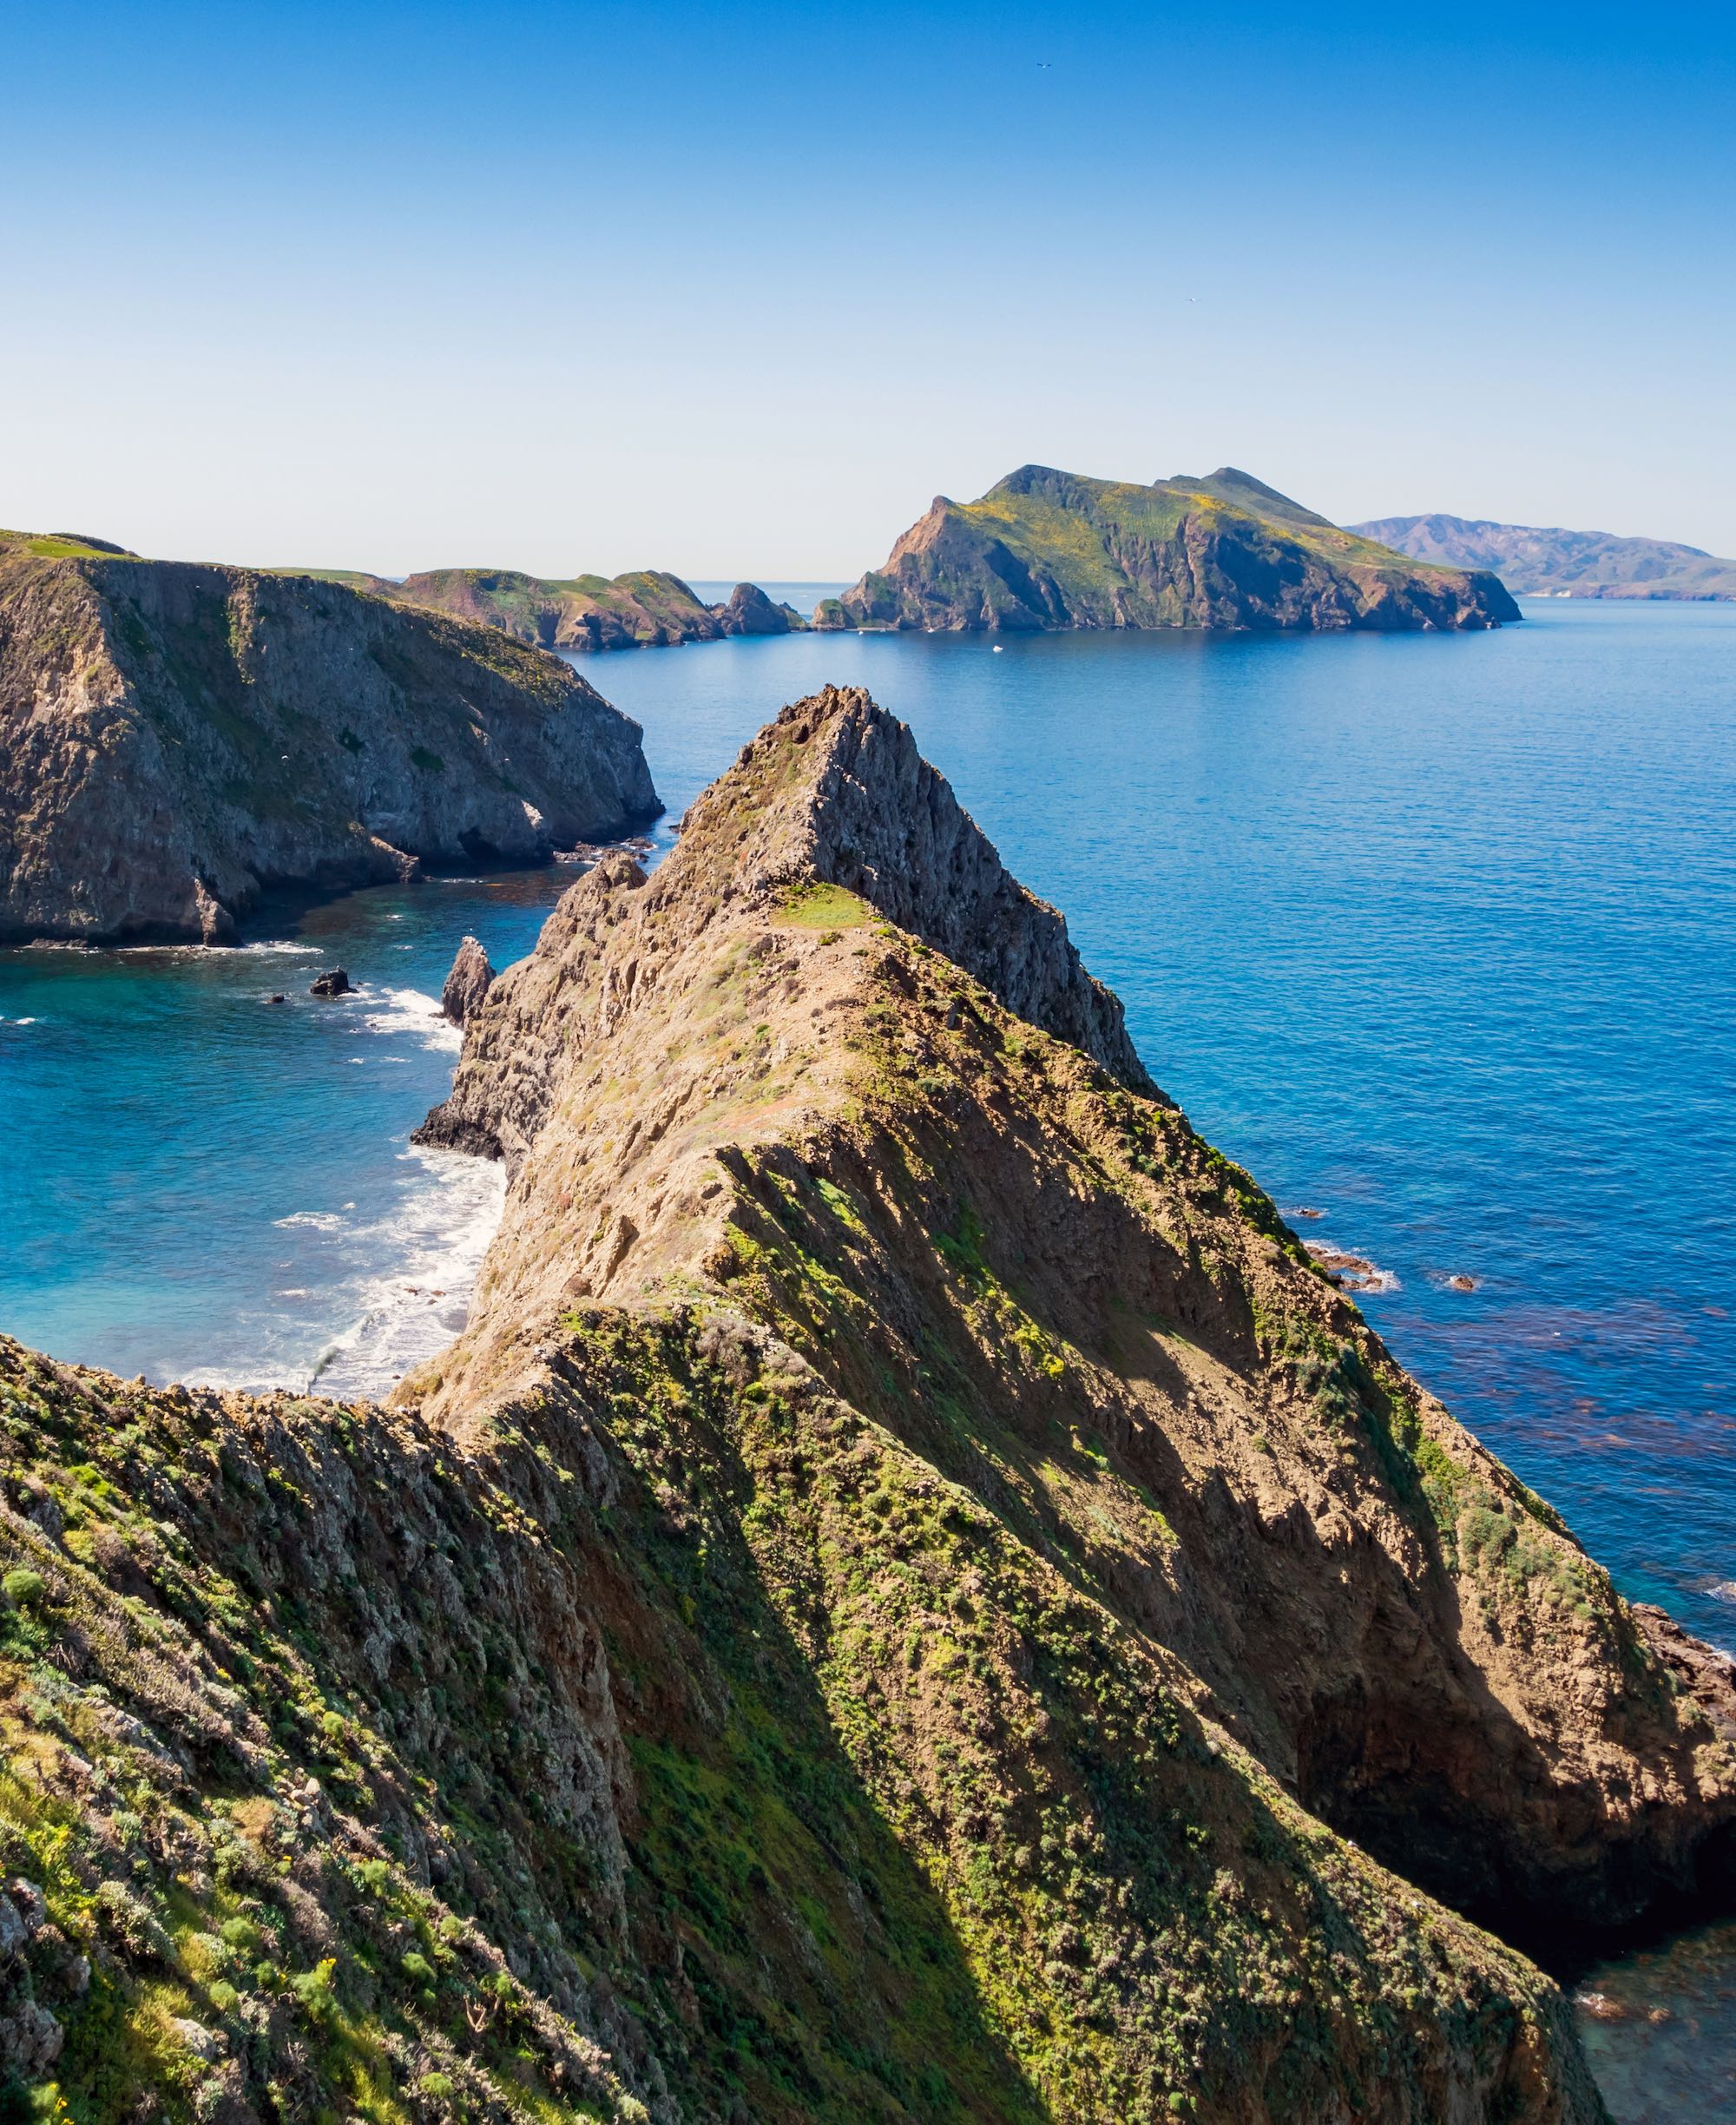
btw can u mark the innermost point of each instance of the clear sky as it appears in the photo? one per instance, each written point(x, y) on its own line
point(739, 289)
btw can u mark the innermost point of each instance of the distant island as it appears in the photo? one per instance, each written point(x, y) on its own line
point(176, 739)
point(1045, 550)
point(1547, 562)
point(645, 608)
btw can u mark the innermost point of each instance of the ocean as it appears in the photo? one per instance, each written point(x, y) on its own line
point(1435, 933)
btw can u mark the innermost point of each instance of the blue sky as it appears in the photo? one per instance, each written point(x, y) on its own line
point(735, 290)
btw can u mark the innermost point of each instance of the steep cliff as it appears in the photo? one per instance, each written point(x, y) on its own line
point(911, 1599)
point(1046, 549)
point(174, 739)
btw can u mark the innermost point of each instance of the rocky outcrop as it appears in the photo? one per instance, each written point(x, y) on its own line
point(749, 611)
point(333, 982)
point(1046, 549)
point(858, 809)
point(468, 981)
point(174, 739)
point(645, 608)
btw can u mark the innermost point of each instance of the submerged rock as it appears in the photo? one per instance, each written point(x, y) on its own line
point(467, 983)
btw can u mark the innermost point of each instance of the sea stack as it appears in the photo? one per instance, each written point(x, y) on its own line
point(468, 981)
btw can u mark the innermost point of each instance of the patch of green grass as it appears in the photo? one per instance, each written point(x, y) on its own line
point(821, 906)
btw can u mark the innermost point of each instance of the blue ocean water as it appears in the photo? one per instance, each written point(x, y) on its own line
point(1435, 933)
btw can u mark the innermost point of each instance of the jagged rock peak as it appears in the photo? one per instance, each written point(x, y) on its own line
point(836, 791)
point(467, 983)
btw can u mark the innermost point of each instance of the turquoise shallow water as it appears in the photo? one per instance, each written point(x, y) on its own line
point(1437, 934)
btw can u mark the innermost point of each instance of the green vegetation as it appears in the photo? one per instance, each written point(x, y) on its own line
point(826, 907)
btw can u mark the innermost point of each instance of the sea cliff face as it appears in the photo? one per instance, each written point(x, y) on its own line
point(175, 739)
point(1046, 549)
point(911, 1599)
point(770, 1082)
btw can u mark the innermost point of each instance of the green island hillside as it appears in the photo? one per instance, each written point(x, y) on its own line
point(1044, 550)
point(645, 608)
point(914, 1598)
point(176, 739)
point(1548, 562)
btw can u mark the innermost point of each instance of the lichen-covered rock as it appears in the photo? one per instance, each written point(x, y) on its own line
point(175, 739)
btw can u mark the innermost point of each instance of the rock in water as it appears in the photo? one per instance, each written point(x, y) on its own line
point(749, 611)
point(174, 739)
point(334, 983)
point(467, 983)
point(1047, 549)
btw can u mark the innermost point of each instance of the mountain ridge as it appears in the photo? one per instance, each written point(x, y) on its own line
point(642, 608)
point(912, 1598)
point(1546, 560)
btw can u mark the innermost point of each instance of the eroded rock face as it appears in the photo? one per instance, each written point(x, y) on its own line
point(174, 739)
point(749, 611)
point(468, 981)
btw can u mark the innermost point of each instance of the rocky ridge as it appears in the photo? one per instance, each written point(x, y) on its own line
point(174, 739)
point(746, 1083)
point(1044, 550)
point(645, 608)
point(911, 1599)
